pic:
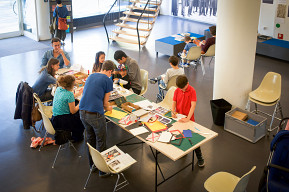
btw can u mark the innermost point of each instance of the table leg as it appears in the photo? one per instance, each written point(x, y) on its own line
point(156, 176)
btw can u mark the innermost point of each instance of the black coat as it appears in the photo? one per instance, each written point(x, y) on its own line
point(24, 102)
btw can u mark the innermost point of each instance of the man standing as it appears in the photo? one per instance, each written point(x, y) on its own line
point(57, 53)
point(133, 70)
point(92, 105)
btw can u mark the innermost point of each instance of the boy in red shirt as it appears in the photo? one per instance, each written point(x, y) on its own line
point(184, 102)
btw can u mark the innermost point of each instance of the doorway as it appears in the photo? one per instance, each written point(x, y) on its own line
point(10, 19)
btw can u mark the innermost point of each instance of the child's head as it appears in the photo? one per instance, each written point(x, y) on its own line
point(174, 60)
point(213, 30)
point(187, 39)
point(182, 82)
point(66, 81)
point(120, 56)
point(122, 68)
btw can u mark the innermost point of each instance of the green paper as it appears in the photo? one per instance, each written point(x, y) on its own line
point(133, 98)
point(169, 115)
point(115, 119)
point(185, 145)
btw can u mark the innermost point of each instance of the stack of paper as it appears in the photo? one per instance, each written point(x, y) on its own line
point(165, 137)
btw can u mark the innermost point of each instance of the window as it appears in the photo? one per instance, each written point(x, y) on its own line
point(95, 7)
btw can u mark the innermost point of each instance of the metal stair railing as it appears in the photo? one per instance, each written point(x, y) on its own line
point(103, 21)
point(138, 22)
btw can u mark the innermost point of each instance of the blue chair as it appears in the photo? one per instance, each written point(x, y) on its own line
point(278, 164)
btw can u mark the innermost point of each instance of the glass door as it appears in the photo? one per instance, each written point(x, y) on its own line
point(10, 19)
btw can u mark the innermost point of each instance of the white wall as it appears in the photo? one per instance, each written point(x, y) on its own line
point(166, 7)
point(267, 19)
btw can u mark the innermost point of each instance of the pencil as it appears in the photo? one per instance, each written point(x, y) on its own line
point(191, 142)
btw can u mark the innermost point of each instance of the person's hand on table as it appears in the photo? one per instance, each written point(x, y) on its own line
point(174, 115)
point(78, 92)
point(109, 109)
point(184, 120)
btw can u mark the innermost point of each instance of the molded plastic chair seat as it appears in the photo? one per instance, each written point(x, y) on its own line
point(46, 109)
point(210, 53)
point(269, 90)
point(168, 100)
point(144, 81)
point(193, 54)
point(101, 165)
point(222, 181)
point(268, 94)
point(172, 82)
point(227, 182)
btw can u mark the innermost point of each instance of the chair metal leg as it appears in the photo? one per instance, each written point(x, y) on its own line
point(277, 109)
point(56, 156)
point(202, 65)
point(43, 140)
point(211, 60)
point(248, 105)
point(119, 186)
point(70, 144)
point(88, 176)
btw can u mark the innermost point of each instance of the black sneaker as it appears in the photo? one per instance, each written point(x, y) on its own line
point(201, 163)
point(103, 175)
point(153, 81)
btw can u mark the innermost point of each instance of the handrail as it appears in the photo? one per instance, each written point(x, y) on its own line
point(138, 23)
point(103, 21)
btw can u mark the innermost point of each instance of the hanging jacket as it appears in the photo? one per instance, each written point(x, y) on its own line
point(24, 101)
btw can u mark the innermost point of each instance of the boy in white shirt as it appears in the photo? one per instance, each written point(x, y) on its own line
point(164, 78)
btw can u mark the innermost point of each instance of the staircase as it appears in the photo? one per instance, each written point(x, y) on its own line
point(137, 22)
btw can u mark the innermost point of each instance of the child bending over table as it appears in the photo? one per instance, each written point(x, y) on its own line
point(184, 102)
point(122, 77)
point(65, 112)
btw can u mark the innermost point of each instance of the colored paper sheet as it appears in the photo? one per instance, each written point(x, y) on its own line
point(134, 98)
point(156, 126)
point(117, 118)
point(185, 145)
point(187, 133)
point(116, 114)
point(169, 114)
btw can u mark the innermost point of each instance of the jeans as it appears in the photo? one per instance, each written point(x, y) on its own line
point(161, 91)
point(95, 126)
point(199, 154)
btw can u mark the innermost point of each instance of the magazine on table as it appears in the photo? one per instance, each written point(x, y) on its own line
point(117, 159)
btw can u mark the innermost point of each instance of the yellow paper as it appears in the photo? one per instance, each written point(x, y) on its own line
point(116, 114)
point(156, 126)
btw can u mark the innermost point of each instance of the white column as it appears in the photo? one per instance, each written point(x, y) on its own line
point(43, 19)
point(237, 26)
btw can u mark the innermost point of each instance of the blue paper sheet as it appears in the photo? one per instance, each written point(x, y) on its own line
point(187, 133)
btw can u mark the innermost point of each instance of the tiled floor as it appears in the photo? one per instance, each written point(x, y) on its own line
point(24, 169)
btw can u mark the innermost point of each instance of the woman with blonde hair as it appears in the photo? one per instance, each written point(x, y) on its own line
point(65, 112)
point(46, 77)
